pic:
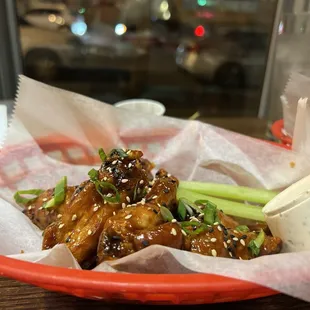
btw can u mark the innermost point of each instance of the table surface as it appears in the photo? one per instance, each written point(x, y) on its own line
point(15, 295)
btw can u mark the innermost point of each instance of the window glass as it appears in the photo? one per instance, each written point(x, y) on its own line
point(203, 56)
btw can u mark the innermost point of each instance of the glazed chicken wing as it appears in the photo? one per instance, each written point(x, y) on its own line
point(82, 221)
point(142, 224)
point(223, 240)
point(43, 217)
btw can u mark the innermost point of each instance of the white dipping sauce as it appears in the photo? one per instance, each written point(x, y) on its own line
point(288, 216)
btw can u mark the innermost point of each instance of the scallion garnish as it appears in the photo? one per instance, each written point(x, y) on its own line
point(209, 211)
point(102, 154)
point(186, 207)
point(182, 210)
point(93, 174)
point(100, 185)
point(199, 227)
point(120, 152)
point(166, 214)
point(24, 200)
point(256, 244)
point(60, 190)
point(242, 228)
point(59, 194)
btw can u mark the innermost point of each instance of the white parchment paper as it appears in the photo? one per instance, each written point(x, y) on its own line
point(189, 149)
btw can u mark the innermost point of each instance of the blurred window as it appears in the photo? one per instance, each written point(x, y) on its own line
point(206, 56)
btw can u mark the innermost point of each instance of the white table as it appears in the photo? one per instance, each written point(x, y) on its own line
point(3, 121)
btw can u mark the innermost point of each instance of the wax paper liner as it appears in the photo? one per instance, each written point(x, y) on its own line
point(189, 149)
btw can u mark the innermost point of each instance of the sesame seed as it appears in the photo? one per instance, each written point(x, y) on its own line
point(96, 208)
point(128, 198)
point(41, 208)
point(168, 175)
point(123, 205)
point(183, 232)
point(74, 217)
point(240, 258)
point(143, 201)
point(242, 242)
point(213, 239)
point(44, 199)
point(105, 179)
point(127, 217)
point(216, 223)
point(89, 232)
point(173, 232)
point(61, 225)
point(29, 208)
point(114, 213)
point(59, 216)
point(128, 152)
point(128, 206)
point(213, 252)
point(228, 241)
point(236, 232)
point(53, 211)
point(124, 180)
point(104, 202)
point(154, 197)
point(225, 245)
point(219, 228)
point(173, 221)
point(235, 239)
point(141, 182)
point(230, 254)
point(129, 165)
point(193, 219)
point(134, 205)
point(114, 162)
point(109, 195)
point(201, 215)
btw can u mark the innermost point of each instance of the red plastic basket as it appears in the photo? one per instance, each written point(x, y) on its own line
point(117, 287)
point(278, 132)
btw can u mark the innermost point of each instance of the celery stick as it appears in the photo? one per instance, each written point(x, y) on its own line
point(229, 207)
point(232, 192)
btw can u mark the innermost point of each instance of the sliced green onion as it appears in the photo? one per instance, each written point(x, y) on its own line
point(24, 200)
point(93, 174)
point(210, 212)
point(50, 204)
point(59, 194)
point(60, 191)
point(232, 192)
point(229, 207)
point(120, 152)
point(200, 227)
point(102, 154)
point(242, 228)
point(166, 214)
point(182, 210)
point(114, 199)
point(256, 244)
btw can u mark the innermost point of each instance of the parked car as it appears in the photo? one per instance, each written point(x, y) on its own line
point(236, 58)
point(46, 52)
point(50, 16)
